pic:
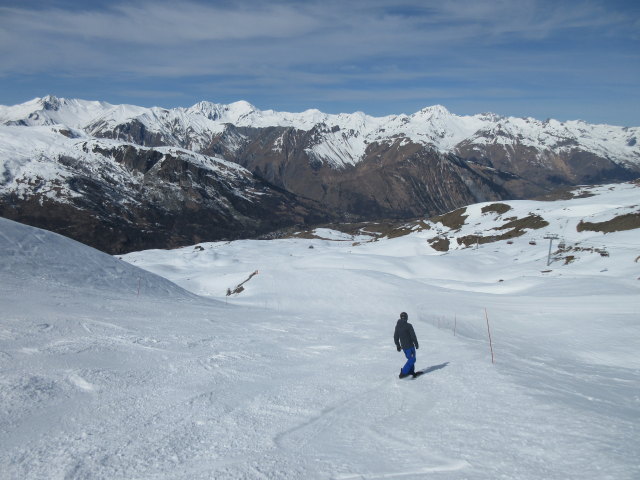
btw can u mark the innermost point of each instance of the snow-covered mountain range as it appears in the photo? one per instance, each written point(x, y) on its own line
point(127, 166)
point(342, 139)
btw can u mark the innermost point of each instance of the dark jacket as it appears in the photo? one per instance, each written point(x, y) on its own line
point(404, 336)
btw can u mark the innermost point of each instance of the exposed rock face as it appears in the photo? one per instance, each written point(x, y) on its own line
point(346, 161)
point(397, 180)
point(535, 173)
point(123, 178)
point(153, 199)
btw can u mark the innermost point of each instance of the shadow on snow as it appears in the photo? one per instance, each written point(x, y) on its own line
point(432, 368)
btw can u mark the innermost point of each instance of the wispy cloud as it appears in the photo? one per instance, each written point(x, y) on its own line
point(170, 23)
point(323, 45)
point(192, 38)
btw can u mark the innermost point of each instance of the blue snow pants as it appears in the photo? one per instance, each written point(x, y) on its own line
point(410, 353)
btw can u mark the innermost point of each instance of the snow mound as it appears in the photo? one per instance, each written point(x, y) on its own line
point(33, 256)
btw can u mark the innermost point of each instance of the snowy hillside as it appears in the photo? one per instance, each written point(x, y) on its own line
point(51, 110)
point(343, 138)
point(40, 260)
point(111, 372)
point(120, 197)
point(50, 155)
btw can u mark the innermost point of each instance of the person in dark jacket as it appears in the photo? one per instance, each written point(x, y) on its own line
point(405, 340)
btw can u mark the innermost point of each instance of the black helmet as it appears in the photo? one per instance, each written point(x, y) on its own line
point(404, 316)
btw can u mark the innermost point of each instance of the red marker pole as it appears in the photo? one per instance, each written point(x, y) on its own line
point(489, 332)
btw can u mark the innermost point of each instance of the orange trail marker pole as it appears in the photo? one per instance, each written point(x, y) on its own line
point(489, 332)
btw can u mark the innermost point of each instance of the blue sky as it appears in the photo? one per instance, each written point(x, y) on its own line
point(545, 59)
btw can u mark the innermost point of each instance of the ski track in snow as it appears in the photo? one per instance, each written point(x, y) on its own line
point(297, 376)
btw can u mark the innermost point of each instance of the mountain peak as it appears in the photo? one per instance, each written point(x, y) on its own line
point(231, 112)
point(241, 107)
point(209, 109)
point(435, 111)
point(51, 102)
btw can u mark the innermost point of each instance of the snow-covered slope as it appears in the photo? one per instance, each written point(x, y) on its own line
point(296, 376)
point(586, 237)
point(38, 155)
point(526, 221)
point(119, 196)
point(39, 259)
point(344, 138)
point(52, 110)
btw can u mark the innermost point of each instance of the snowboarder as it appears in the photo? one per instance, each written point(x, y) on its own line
point(405, 340)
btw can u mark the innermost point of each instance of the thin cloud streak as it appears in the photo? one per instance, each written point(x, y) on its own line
point(373, 45)
point(157, 23)
point(192, 34)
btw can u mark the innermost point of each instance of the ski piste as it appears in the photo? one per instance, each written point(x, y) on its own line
point(294, 377)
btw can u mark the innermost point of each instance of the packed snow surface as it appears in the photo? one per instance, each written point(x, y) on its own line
point(112, 372)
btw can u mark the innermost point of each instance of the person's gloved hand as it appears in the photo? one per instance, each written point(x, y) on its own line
point(399, 348)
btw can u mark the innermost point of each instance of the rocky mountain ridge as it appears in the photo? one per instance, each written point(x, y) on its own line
point(119, 197)
point(434, 126)
point(306, 167)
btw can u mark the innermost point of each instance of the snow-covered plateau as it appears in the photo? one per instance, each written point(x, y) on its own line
point(142, 367)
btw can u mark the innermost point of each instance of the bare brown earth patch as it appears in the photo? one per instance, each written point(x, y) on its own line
point(453, 220)
point(375, 230)
point(566, 253)
point(532, 222)
point(628, 221)
point(408, 228)
point(498, 208)
point(516, 228)
point(469, 240)
point(440, 244)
